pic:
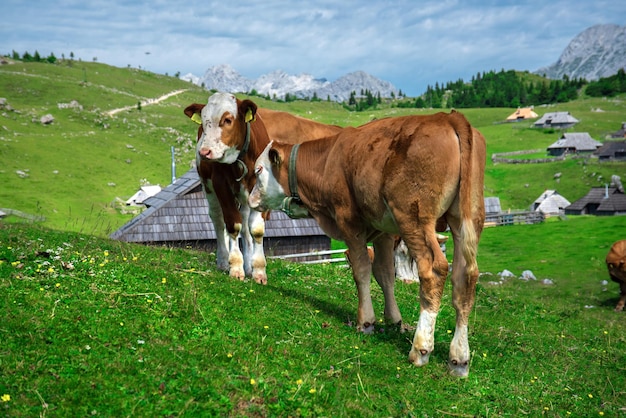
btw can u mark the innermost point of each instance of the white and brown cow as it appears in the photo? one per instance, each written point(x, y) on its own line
point(616, 263)
point(231, 135)
point(408, 176)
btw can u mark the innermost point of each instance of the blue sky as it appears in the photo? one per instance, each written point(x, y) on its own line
point(410, 43)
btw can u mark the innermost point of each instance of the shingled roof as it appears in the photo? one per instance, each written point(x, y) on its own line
point(559, 120)
point(550, 203)
point(599, 201)
point(180, 213)
point(574, 142)
point(612, 150)
point(522, 113)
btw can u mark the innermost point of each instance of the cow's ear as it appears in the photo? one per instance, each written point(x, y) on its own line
point(248, 108)
point(275, 156)
point(194, 111)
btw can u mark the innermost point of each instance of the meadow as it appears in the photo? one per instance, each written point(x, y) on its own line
point(94, 327)
point(97, 327)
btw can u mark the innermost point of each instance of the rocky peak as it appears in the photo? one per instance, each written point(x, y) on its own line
point(599, 51)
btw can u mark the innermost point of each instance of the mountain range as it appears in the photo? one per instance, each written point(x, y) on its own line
point(596, 52)
point(278, 83)
point(599, 51)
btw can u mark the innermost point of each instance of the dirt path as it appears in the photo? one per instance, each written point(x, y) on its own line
point(146, 102)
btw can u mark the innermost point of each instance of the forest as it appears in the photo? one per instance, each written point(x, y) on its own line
point(498, 89)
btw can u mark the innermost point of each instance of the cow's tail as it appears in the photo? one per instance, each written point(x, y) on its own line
point(471, 201)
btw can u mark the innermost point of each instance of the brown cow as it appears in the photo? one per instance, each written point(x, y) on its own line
point(225, 170)
point(393, 176)
point(616, 263)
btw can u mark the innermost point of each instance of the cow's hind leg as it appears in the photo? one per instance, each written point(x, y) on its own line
point(217, 217)
point(246, 239)
point(432, 269)
point(464, 278)
point(384, 273)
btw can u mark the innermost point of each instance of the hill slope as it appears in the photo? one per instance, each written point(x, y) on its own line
point(71, 171)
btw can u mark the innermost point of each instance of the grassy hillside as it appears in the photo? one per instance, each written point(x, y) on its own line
point(78, 165)
point(94, 327)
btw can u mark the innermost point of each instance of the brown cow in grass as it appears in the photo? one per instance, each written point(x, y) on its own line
point(405, 176)
point(225, 160)
point(616, 263)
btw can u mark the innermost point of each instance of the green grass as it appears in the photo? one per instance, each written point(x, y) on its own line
point(97, 327)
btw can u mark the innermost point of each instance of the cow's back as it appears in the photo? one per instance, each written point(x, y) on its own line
point(292, 129)
point(373, 161)
point(616, 260)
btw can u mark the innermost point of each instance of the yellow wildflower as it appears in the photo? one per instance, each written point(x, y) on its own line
point(252, 382)
point(5, 398)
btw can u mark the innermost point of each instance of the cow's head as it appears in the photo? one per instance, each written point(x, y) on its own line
point(268, 193)
point(222, 131)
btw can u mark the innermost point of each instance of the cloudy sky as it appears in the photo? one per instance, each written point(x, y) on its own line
point(410, 43)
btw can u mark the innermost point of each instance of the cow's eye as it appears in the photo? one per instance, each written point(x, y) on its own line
point(258, 170)
point(227, 122)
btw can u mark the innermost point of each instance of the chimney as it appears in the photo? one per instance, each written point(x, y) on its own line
point(606, 191)
point(173, 167)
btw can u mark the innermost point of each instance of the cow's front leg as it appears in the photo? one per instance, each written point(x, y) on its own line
point(257, 230)
point(235, 257)
point(361, 272)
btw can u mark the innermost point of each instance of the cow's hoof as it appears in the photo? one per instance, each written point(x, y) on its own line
point(458, 369)
point(619, 308)
point(404, 327)
point(260, 278)
point(366, 328)
point(419, 357)
point(238, 274)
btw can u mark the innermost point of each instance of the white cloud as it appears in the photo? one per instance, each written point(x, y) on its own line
point(409, 43)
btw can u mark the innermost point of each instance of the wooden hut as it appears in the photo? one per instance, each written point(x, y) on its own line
point(550, 203)
point(599, 201)
point(179, 216)
point(574, 143)
point(556, 120)
point(522, 113)
point(612, 150)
